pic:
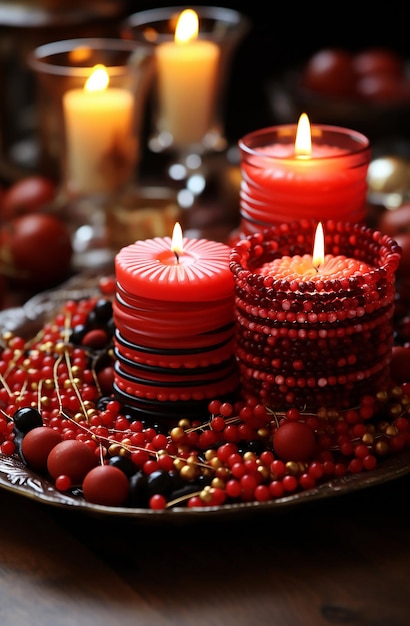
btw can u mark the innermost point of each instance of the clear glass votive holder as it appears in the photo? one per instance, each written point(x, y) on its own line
point(188, 103)
point(93, 150)
point(91, 137)
point(277, 186)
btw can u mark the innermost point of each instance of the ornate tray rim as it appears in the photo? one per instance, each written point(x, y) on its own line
point(17, 478)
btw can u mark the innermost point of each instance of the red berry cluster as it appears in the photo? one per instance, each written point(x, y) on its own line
point(59, 414)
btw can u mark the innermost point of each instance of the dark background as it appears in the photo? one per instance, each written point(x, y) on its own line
point(285, 34)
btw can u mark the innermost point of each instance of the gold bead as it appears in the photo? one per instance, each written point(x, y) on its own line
point(210, 454)
point(7, 336)
point(292, 467)
point(382, 447)
point(177, 434)
point(395, 410)
point(368, 439)
point(48, 383)
point(60, 347)
point(405, 401)
point(44, 401)
point(114, 449)
point(76, 370)
point(189, 472)
point(184, 423)
point(215, 462)
point(249, 456)
point(396, 392)
point(218, 483)
point(382, 396)
point(206, 495)
point(179, 464)
point(263, 432)
point(263, 471)
point(391, 431)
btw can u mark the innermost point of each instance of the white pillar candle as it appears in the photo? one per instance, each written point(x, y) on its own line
point(187, 74)
point(100, 139)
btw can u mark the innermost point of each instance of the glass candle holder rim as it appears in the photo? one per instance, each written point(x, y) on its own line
point(36, 58)
point(239, 22)
point(253, 140)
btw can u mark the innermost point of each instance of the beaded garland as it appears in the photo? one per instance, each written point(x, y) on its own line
point(314, 341)
point(54, 380)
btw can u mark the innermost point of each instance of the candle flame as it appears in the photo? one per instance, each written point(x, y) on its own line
point(176, 242)
point(187, 26)
point(303, 141)
point(318, 247)
point(98, 80)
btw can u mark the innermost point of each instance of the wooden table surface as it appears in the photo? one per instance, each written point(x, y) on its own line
point(344, 560)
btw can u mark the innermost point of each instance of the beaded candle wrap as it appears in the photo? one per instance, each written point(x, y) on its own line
point(306, 338)
point(174, 327)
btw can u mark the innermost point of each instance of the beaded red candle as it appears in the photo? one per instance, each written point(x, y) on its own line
point(314, 331)
point(174, 319)
point(303, 171)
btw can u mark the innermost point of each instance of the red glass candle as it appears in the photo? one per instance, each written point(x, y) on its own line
point(308, 335)
point(328, 180)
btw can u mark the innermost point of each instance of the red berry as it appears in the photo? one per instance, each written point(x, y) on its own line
point(106, 485)
point(72, 458)
point(37, 445)
point(294, 441)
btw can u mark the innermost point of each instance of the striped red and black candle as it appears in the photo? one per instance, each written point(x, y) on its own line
point(174, 319)
point(312, 331)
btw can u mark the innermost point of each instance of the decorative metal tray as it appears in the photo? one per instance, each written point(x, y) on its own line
point(16, 477)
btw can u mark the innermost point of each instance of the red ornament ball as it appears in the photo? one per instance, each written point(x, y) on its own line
point(71, 458)
point(106, 485)
point(37, 445)
point(294, 441)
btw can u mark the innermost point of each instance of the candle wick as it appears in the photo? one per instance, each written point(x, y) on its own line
point(176, 256)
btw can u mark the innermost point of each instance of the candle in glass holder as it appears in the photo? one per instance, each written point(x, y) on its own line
point(100, 139)
point(174, 321)
point(300, 172)
point(187, 82)
point(315, 329)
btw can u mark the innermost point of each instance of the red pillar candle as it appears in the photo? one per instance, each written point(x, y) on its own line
point(174, 318)
point(288, 175)
point(312, 334)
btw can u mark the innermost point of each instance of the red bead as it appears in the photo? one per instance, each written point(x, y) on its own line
point(157, 502)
